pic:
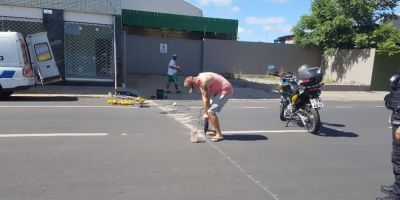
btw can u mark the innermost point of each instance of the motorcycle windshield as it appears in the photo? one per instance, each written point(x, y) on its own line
point(283, 83)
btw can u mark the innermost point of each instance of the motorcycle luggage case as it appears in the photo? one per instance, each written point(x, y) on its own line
point(313, 75)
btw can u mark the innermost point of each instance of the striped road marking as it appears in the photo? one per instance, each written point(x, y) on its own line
point(344, 107)
point(236, 107)
point(256, 107)
point(52, 135)
point(264, 131)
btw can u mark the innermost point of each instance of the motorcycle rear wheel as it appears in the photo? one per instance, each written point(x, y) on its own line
point(313, 123)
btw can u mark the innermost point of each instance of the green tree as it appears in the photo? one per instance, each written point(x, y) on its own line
point(334, 24)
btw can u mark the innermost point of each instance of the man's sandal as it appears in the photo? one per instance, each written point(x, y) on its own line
point(211, 132)
point(216, 139)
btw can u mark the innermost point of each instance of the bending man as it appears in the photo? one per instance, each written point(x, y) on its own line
point(215, 92)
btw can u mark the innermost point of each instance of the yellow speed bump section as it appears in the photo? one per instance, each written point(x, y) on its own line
point(141, 100)
point(122, 102)
point(127, 102)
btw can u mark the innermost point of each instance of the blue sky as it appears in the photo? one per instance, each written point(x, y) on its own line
point(259, 20)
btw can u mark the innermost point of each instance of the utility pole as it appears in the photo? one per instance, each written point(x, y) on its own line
point(114, 48)
point(115, 58)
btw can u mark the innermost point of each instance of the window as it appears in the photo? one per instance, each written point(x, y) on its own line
point(42, 52)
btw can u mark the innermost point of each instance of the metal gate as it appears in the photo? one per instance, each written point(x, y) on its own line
point(88, 52)
point(25, 26)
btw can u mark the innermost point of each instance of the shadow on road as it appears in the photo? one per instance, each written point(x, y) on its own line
point(245, 137)
point(326, 131)
point(38, 99)
point(334, 125)
point(330, 132)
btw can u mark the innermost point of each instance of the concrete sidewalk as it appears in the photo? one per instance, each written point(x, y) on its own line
point(66, 90)
point(353, 95)
point(146, 86)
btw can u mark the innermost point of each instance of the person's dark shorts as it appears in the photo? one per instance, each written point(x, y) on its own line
point(172, 79)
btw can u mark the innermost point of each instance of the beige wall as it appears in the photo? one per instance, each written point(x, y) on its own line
point(179, 7)
point(143, 56)
point(350, 66)
point(253, 57)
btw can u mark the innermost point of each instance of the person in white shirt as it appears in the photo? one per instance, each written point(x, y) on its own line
point(172, 70)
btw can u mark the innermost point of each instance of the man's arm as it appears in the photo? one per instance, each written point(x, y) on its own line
point(206, 98)
point(172, 64)
point(204, 89)
point(176, 67)
point(397, 134)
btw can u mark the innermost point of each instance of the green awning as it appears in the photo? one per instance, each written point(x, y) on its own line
point(135, 18)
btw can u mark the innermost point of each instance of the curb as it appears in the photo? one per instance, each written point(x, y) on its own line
point(327, 87)
point(60, 95)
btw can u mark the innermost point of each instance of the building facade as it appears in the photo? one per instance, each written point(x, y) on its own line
point(82, 34)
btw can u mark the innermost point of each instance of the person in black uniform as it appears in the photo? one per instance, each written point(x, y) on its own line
point(392, 102)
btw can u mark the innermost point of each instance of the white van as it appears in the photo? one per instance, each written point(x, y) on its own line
point(21, 60)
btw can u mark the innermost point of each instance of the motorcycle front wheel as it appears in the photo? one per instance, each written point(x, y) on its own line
point(313, 123)
point(282, 112)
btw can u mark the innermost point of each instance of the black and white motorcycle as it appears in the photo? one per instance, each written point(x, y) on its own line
point(300, 96)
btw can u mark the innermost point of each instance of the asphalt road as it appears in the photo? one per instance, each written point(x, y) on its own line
point(69, 148)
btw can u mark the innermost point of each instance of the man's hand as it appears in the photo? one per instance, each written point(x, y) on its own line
point(397, 134)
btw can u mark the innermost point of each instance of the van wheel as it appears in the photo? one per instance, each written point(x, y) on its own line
point(5, 95)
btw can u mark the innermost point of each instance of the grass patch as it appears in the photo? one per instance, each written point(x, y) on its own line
point(257, 78)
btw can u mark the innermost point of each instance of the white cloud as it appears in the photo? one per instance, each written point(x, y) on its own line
point(245, 31)
point(264, 20)
point(277, 28)
point(235, 9)
point(215, 2)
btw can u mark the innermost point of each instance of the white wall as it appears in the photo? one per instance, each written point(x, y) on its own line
point(88, 17)
point(24, 12)
point(179, 7)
